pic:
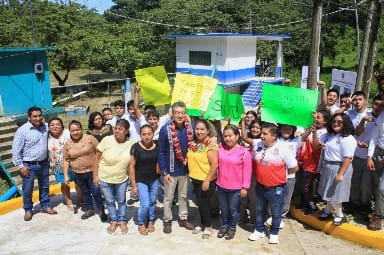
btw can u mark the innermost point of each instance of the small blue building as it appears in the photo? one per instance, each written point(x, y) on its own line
point(232, 59)
point(24, 80)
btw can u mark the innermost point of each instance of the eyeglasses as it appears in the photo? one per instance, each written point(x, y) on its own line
point(338, 122)
point(179, 113)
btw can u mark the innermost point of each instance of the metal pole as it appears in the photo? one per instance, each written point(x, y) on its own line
point(32, 24)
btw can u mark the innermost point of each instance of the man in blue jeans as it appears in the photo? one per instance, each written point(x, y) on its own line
point(273, 162)
point(29, 155)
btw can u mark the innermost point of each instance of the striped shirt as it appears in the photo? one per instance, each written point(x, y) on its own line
point(30, 144)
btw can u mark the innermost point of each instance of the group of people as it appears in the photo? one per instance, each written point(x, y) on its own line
point(254, 169)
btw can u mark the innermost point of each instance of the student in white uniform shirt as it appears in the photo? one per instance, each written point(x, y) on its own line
point(119, 107)
point(336, 168)
point(135, 117)
point(375, 164)
point(328, 99)
point(363, 121)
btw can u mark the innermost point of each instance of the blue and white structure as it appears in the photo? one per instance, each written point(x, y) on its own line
point(24, 80)
point(231, 58)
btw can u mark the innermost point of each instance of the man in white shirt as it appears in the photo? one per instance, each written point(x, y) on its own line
point(375, 164)
point(363, 121)
point(119, 107)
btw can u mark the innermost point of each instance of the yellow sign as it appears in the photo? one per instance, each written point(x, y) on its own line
point(154, 85)
point(194, 90)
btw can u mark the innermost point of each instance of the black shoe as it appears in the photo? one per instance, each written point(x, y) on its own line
point(309, 211)
point(103, 216)
point(325, 216)
point(300, 206)
point(167, 227)
point(230, 234)
point(222, 232)
point(87, 214)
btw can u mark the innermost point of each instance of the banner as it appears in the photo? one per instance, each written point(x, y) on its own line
point(224, 105)
point(154, 85)
point(288, 105)
point(304, 76)
point(344, 81)
point(194, 90)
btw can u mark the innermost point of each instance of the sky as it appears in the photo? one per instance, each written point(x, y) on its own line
point(100, 5)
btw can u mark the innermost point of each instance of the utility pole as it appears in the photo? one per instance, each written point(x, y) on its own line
point(364, 48)
point(315, 43)
point(372, 47)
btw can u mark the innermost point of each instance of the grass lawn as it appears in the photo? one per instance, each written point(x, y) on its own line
point(83, 75)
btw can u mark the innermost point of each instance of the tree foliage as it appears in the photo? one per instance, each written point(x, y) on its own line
point(134, 33)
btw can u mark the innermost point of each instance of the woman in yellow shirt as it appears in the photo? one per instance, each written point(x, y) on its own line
point(202, 165)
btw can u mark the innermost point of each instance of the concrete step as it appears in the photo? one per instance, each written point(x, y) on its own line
point(6, 154)
point(8, 129)
point(6, 146)
point(6, 138)
point(6, 121)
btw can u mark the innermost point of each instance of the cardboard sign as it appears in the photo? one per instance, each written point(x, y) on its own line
point(288, 105)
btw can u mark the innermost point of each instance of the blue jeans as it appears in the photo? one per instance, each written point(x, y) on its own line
point(85, 182)
point(275, 197)
point(41, 171)
point(115, 193)
point(229, 206)
point(147, 198)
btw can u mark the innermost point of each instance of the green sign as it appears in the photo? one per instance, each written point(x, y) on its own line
point(288, 105)
point(223, 105)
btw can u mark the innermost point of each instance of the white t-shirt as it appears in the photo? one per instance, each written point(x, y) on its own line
point(134, 127)
point(293, 145)
point(366, 135)
point(338, 147)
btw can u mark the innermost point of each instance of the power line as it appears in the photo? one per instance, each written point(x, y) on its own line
point(259, 27)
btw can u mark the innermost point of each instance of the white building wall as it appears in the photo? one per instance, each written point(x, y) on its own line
point(241, 53)
point(215, 45)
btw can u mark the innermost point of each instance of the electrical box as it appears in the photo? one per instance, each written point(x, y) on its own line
point(39, 68)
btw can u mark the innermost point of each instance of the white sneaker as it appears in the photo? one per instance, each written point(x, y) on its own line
point(273, 239)
point(269, 222)
point(256, 235)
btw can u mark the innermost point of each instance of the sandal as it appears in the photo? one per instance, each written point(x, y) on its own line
point(143, 230)
point(196, 230)
point(112, 227)
point(123, 227)
point(206, 234)
point(151, 227)
point(70, 206)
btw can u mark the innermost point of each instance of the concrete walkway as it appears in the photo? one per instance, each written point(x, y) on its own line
point(66, 233)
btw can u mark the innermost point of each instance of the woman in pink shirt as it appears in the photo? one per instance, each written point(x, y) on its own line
point(233, 180)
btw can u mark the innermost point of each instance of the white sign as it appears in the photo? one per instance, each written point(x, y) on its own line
point(304, 76)
point(343, 81)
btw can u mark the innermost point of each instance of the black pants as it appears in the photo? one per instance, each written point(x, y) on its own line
point(203, 201)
